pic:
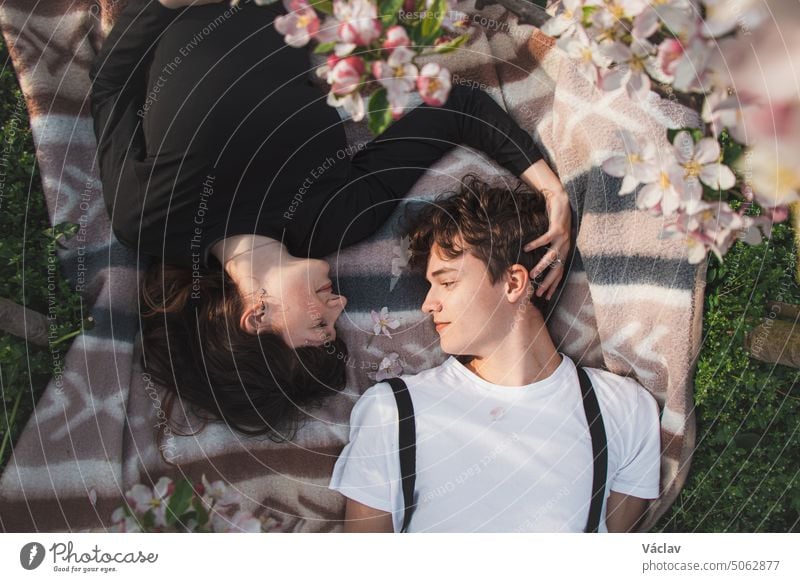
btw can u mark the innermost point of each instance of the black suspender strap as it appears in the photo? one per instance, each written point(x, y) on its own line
point(407, 430)
point(599, 451)
point(407, 441)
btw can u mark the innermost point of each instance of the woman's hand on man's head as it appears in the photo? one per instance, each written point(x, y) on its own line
point(559, 213)
point(557, 237)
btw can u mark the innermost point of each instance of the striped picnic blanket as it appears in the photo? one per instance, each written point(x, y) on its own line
point(631, 302)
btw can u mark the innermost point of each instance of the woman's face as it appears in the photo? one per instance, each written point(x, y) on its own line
point(301, 304)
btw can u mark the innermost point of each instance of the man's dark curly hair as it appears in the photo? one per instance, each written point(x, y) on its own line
point(492, 223)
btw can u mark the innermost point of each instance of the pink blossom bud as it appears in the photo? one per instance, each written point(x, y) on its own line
point(779, 213)
point(396, 36)
point(669, 53)
point(345, 76)
point(359, 21)
point(434, 84)
point(333, 60)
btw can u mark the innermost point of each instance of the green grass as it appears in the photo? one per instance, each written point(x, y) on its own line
point(744, 474)
point(25, 246)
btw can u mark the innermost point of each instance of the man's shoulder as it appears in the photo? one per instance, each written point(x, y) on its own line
point(432, 378)
point(618, 392)
point(420, 384)
point(377, 404)
point(612, 380)
point(630, 412)
point(428, 377)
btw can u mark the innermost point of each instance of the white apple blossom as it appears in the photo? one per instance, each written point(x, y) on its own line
point(669, 52)
point(677, 16)
point(142, 498)
point(646, 24)
point(352, 103)
point(390, 367)
point(396, 36)
point(690, 69)
point(636, 165)
point(220, 501)
point(764, 222)
point(764, 62)
point(567, 19)
point(299, 25)
point(611, 12)
point(687, 226)
point(722, 16)
point(700, 163)
point(749, 97)
point(633, 63)
point(630, 8)
point(610, 21)
point(664, 195)
point(123, 523)
point(344, 75)
point(434, 84)
point(709, 227)
point(605, 29)
point(587, 53)
point(383, 322)
point(219, 493)
point(358, 23)
point(773, 173)
point(328, 30)
point(674, 59)
point(399, 76)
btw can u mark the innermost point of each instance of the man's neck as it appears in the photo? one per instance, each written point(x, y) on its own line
point(524, 356)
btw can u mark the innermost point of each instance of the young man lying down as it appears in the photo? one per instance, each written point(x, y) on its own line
point(500, 440)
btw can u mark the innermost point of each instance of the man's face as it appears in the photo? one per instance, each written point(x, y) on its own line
point(470, 313)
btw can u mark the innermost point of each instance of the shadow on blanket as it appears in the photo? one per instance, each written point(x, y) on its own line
point(631, 304)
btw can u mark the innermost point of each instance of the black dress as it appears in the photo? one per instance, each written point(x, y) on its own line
point(208, 126)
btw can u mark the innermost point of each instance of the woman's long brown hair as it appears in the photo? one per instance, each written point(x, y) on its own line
point(193, 345)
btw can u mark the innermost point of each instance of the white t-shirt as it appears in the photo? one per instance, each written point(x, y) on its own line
point(496, 458)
